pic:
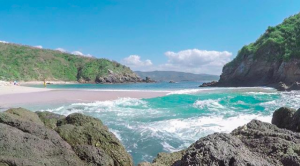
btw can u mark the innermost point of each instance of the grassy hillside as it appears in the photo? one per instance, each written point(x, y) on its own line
point(18, 62)
point(281, 42)
point(176, 76)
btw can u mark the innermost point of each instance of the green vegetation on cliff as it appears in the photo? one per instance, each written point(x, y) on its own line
point(281, 42)
point(18, 62)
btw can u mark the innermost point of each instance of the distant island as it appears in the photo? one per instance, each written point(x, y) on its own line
point(272, 60)
point(26, 63)
point(176, 76)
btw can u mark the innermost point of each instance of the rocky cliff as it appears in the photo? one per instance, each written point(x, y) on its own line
point(273, 58)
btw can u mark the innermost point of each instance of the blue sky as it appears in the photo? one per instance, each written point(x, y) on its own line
point(145, 34)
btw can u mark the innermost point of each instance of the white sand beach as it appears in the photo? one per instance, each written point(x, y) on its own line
point(15, 96)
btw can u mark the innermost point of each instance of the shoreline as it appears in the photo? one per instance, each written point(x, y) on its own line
point(18, 96)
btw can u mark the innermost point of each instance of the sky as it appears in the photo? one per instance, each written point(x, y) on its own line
point(197, 36)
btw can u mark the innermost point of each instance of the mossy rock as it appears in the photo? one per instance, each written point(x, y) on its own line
point(26, 141)
point(78, 129)
point(24, 114)
point(165, 159)
point(3, 164)
point(50, 119)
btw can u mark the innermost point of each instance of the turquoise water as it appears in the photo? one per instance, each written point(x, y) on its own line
point(173, 122)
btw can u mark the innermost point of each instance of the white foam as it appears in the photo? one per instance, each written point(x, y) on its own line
point(211, 105)
point(116, 133)
point(112, 103)
point(221, 89)
point(191, 129)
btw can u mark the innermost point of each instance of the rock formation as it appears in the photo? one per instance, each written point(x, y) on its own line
point(272, 58)
point(44, 138)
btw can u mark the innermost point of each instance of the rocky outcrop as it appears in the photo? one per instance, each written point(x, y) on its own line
point(44, 138)
point(148, 80)
point(221, 149)
point(275, 145)
point(254, 144)
point(24, 140)
point(112, 78)
point(87, 134)
point(271, 59)
point(209, 84)
point(287, 118)
point(251, 71)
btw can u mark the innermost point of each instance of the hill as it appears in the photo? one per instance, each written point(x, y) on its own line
point(272, 58)
point(25, 63)
point(176, 76)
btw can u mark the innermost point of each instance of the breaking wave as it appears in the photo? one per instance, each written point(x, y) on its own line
point(171, 123)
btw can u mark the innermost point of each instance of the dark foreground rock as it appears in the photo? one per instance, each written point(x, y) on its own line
point(254, 144)
point(287, 118)
point(27, 138)
point(78, 129)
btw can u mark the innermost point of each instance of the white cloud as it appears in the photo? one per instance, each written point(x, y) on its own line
point(61, 50)
point(3, 41)
point(77, 53)
point(81, 54)
point(197, 61)
point(135, 62)
point(39, 46)
point(190, 60)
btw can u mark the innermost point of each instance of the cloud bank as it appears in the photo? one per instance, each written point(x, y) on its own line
point(190, 60)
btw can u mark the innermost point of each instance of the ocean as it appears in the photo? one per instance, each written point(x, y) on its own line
point(175, 121)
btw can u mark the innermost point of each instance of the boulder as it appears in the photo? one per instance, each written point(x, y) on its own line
point(287, 118)
point(283, 117)
point(29, 138)
point(24, 115)
point(78, 129)
point(49, 119)
point(221, 150)
point(93, 155)
point(24, 140)
point(275, 145)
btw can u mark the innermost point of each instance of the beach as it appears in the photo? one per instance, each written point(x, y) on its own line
point(15, 96)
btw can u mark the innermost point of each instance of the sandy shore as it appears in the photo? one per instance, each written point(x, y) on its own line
point(16, 96)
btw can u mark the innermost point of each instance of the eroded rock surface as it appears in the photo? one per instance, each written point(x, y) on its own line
point(44, 138)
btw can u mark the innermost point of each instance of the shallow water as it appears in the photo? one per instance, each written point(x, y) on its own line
point(173, 122)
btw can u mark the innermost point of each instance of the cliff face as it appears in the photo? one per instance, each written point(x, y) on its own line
point(273, 58)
